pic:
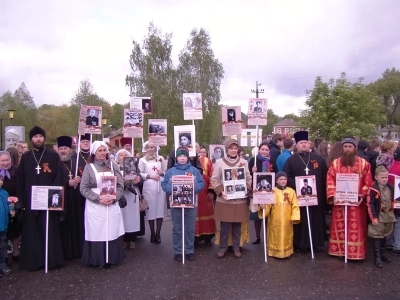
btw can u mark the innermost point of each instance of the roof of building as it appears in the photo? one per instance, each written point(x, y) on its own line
point(287, 122)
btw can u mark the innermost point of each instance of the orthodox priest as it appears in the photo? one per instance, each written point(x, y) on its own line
point(84, 153)
point(39, 167)
point(305, 163)
point(349, 162)
point(126, 143)
point(72, 225)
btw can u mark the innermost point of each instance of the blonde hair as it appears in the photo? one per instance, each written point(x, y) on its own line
point(387, 145)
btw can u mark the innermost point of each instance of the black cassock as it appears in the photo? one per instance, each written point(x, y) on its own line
point(72, 225)
point(295, 166)
point(33, 222)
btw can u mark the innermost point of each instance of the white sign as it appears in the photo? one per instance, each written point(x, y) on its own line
point(47, 198)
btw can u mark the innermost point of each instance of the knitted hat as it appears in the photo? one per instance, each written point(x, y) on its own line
point(230, 142)
point(36, 130)
point(64, 141)
point(280, 174)
point(349, 140)
point(182, 150)
point(380, 169)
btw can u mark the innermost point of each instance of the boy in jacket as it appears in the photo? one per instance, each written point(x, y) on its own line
point(183, 167)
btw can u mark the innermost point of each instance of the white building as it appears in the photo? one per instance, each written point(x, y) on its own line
point(248, 138)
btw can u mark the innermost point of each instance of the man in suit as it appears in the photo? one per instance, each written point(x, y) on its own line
point(91, 119)
point(258, 108)
point(306, 190)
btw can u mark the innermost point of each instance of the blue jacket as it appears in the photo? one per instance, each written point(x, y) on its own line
point(282, 158)
point(178, 169)
point(5, 209)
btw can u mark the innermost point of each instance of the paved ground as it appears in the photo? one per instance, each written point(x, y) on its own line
point(149, 272)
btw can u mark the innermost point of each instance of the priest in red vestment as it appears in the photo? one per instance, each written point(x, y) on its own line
point(349, 162)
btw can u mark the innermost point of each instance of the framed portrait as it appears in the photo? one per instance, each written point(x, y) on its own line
point(13, 135)
point(185, 136)
point(130, 168)
point(133, 123)
point(90, 120)
point(216, 151)
point(142, 103)
point(47, 198)
point(231, 120)
point(257, 113)
point(157, 131)
point(108, 186)
point(306, 190)
point(56, 199)
point(192, 106)
point(263, 187)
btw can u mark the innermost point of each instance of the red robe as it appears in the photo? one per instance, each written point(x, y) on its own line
point(356, 215)
point(205, 223)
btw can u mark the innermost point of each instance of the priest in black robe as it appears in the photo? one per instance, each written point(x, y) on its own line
point(72, 226)
point(83, 154)
point(39, 167)
point(305, 163)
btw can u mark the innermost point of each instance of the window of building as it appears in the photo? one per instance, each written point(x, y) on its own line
point(286, 130)
point(279, 130)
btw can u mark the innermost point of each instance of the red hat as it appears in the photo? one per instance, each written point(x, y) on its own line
point(125, 141)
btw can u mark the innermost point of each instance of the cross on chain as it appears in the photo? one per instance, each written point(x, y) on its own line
point(70, 175)
point(306, 169)
point(38, 168)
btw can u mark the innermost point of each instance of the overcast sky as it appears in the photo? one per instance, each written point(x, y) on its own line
point(284, 44)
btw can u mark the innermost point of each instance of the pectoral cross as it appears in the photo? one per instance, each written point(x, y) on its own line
point(70, 175)
point(306, 169)
point(154, 168)
point(38, 168)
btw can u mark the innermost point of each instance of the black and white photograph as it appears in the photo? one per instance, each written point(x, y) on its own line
point(192, 106)
point(156, 127)
point(108, 186)
point(184, 136)
point(216, 152)
point(133, 118)
point(264, 183)
point(231, 120)
point(55, 197)
point(240, 187)
point(147, 105)
point(157, 131)
point(182, 195)
point(306, 190)
point(231, 115)
point(263, 187)
point(240, 174)
point(92, 118)
point(130, 168)
point(185, 139)
point(228, 175)
point(258, 112)
point(229, 189)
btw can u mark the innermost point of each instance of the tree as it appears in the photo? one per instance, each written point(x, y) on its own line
point(200, 71)
point(117, 118)
point(387, 89)
point(272, 119)
point(338, 108)
point(292, 116)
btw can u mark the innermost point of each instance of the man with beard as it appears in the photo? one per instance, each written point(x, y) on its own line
point(72, 227)
point(39, 167)
point(83, 154)
point(305, 163)
point(349, 162)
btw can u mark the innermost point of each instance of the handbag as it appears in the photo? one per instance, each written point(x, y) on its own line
point(122, 202)
point(143, 204)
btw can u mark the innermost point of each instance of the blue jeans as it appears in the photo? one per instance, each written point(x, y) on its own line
point(3, 245)
point(396, 234)
point(190, 222)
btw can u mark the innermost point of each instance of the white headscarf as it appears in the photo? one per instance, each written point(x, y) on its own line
point(144, 146)
point(96, 145)
point(119, 152)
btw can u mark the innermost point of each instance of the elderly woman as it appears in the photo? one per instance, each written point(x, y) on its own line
point(230, 213)
point(103, 219)
point(9, 173)
point(152, 169)
point(131, 214)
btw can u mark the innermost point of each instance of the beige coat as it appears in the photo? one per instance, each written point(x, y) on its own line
point(230, 210)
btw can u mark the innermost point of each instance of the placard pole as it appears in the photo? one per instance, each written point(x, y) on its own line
point(183, 235)
point(265, 236)
point(345, 235)
point(107, 237)
point(309, 233)
point(46, 260)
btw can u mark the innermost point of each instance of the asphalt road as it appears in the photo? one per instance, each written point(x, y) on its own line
point(150, 272)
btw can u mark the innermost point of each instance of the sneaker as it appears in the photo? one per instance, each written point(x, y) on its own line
point(178, 257)
point(190, 256)
point(396, 252)
point(9, 248)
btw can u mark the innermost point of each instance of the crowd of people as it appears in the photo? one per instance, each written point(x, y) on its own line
point(97, 228)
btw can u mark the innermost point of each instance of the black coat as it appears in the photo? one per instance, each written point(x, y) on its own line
point(374, 200)
point(274, 152)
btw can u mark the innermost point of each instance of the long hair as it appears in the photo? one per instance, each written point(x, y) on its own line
point(336, 152)
point(323, 149)
point(14, 156)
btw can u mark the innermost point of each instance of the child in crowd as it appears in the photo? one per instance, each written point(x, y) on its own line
point(381, 214)
point(281, 216)
point(183, 167)
point(6, 209)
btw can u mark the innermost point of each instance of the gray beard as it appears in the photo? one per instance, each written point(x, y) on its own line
point(65, 158)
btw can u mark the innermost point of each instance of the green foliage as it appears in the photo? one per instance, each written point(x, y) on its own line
point(338, 108)
point(272, 119)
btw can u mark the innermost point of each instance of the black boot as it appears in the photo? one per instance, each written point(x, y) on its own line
point(377, 253)
point(383, 251)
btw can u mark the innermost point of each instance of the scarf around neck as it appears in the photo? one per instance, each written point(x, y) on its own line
point(265, 162)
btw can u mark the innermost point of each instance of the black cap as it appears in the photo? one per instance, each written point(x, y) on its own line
point(36, 130)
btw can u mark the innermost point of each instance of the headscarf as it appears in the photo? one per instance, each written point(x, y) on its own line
point(96, 145)
point(119, 152)
point(4, 172)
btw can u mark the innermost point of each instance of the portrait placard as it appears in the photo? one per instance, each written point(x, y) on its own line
point(13, 135)
point(157, 133)
point(90, 120)
point(142, 103)
point(108, 187)
point(347, 189)
point(133, 123)
point(396, 191)
point(192, 106)
point(185, 136)
point(263, 187)
point(130, 168)
point(231, 120)
point(182, 191)
point(216, 152)
point(257, 113)
point(234, 183)
point(47, 198)
point(306, 190)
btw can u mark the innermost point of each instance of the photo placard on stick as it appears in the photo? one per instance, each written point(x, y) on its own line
point(257, 113)
point(133, 123)
point(231, 120)
point(90, 120)
point(157, 133)
point(396, 191)
point(347, 189)
point(192, 106)
point(130, 168)
point(182, 191)
point(108, 187)
point(234, 183)
point(306, 190)
point(263, 187)
point(142, 103)
point(185, 136)
point(216, 152)
point(47, 198)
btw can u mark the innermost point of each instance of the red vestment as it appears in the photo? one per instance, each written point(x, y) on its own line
point(356, 215)
point(205, 223)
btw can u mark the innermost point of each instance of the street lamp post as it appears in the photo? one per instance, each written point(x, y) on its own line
point(103, 122)
point(10, 116)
